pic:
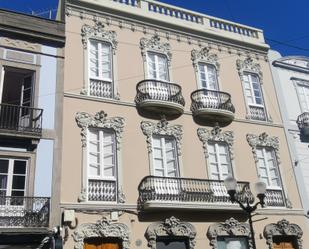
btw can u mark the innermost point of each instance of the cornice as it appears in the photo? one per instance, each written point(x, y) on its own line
point(291, 67)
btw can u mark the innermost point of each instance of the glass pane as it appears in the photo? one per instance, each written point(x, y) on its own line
point(171, 244)
point(19, 167)
point(4, 166)
point(3, 181)
point(18, 182)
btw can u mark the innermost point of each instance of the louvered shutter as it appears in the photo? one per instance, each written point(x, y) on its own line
point(94, 59)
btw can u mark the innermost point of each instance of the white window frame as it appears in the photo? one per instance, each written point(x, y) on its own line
point(163, 142)
point(216, 145)
point(157, 66)
point(206, 65)
point(249, 75)
point(274, 158)
point(299, 86)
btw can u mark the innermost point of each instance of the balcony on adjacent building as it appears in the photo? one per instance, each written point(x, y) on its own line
point(303, 123)
point(22, 121)
point(20, 211)
point(159, 98)
point(197, 194)
point(212, 107)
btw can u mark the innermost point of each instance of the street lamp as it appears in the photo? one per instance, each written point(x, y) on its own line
point(260, 188)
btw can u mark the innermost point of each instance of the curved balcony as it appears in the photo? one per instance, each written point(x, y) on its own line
point(303, 123)
point(212, 107)
point(160, 98)
point(186, 193)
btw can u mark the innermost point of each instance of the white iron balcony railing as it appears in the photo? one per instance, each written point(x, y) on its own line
point(101, 88)
point(20, 119)
point(275, 198)
point(257, 113)
point(21, 211)
point(182, 190)
point(102, 190)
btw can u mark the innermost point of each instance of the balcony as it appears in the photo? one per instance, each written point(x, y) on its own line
point(185, 193)
point(20, 121)
point(212, 107)
point(303, 123)
point(275, 198)
point(159, 98)
point(30, 212)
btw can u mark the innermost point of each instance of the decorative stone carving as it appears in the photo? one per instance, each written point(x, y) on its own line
point(216, 135)
point(283, 228)
point(205, 56)
point(102, 228)
point(172, 227)
point(82, 195)
point(98, 32)
point(121, 196)
point(20, 44)
point(154, 44)
point(263, 140)
point(248, 65)
point(99, 120)
point(230, 227)
point(162, 128)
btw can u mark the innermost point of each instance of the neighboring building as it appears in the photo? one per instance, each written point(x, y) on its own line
point(30, 77)
point(291, 77)
point(160, 104)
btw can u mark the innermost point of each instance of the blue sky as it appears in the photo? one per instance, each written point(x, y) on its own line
point(282, 21)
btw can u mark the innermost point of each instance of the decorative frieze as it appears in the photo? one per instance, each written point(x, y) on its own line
point(161, 128)
point(171, 227)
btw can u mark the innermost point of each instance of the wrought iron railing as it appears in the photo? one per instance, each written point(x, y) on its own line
point(102, 190)
point(169, 189)
point(100, 88)
point(257, 113)
point(159, 90)
point(20, 211)
point(303, 120)
point(275, 198)
point(20, 119)
point(210, 99)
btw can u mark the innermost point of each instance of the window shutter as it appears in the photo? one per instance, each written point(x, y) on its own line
point(171, 161)
point(213, 161)
point(152, 74)
point(93, 59)
point(163, 70)
point(109, 154)
point(94, 159)
point(212, 77)
point(158, 157)
point(106, 61)
point(303, 95)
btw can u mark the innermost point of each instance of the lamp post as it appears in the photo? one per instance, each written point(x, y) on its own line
point(260, 187)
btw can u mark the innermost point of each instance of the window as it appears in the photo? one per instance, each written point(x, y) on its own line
point(267, 167)
point(172, 243)
point(13, 174)
point(254, 98)
point(165, 156)
point(219, 160)
point(100, 69)
point(232, 243)
point(207, 76)
point(303, 96)
point(102, 169)
point(157, 66)
point(102, 243)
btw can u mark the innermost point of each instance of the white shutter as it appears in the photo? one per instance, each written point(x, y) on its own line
point(212, 77)
point(248, 89)
point(94, 153)
point(109, 154)
point(157, 66)
point(152, 73)
point(94, 58)
point(202, 75)
point(213, 162)
point(106, 61)
point(162, 67)
point(303, 95)
point(158, 163)
point(171, 160)
point(273, 171)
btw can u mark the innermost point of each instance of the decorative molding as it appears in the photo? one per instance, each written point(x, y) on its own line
point(99, 120)
point(102, 228)
point(162, 128)
point(170, 227)
point(154, 44)
point(203, 55)
point(230, 227)
point(19, 44)
point(82, 195)
point(121, 196)
point(248, 65)
point(216, 135)
point(283, 228)
point(263, 140)
point(98, 32)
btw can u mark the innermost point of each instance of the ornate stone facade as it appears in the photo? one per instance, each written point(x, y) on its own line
point(248, 65)
point(99, 120)
point(216, 135)
point(205, 56)
point(154, 44)
point(102, 229)
point(171, 227)
point(162, 128)
point(283, 228)
point(229, 228)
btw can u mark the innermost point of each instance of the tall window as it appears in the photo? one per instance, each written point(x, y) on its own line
point(100, 69)
point(207, 76)
point(219, 161)
point(165, 156)
point(102, 165)
point(253, 93)
point(157, 66)
point(13, 177)
point(232, 243)
point(267, 167)
point(303, 96)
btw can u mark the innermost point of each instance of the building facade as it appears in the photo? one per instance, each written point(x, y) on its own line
point(291, 77)
point(29, 81)
point(160, 105)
